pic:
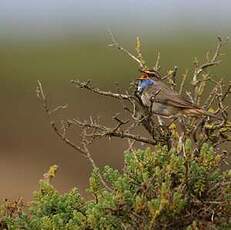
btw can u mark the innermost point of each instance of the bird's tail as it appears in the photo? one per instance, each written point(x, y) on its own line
point(199, 111)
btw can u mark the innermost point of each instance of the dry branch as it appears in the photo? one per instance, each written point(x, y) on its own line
point(119, 47)
point(87, 85)
point(160, 132)
point(83, 150)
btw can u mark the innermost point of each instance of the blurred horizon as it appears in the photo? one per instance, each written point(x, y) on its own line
point(62, 19)
point(56, 41)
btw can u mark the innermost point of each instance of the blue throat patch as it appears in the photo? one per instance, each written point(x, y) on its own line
point(143, 84)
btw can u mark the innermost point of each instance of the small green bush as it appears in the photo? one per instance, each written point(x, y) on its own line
point(157, 189)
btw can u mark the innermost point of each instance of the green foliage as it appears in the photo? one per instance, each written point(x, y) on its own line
point(157, 189)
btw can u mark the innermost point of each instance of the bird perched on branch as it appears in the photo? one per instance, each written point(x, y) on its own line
point(164, 101)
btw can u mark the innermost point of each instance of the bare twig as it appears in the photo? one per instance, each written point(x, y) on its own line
point(103, 131)
point(183, 82)
point(87, 85)
point(201, 68)
point(117, 45)
point(83, 150)
point(157, 64)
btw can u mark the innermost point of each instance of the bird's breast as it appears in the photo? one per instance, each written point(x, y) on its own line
point(158, 107)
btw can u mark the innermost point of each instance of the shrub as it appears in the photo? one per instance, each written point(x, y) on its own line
point(157, 189)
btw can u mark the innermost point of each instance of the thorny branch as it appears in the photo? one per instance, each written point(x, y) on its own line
point(201, 68)
point(87, 85)
point(96, 130)
point(83, 150)
point(166, 133)
point(136, 59)
point(138, 113)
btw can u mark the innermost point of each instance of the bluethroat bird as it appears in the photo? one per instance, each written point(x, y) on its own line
point(164, 101)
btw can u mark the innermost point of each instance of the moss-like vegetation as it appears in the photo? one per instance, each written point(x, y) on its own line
point(156, 189)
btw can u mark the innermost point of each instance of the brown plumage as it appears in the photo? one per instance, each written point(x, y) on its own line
point(166, 101)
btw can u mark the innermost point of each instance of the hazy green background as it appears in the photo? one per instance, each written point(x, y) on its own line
point(56, 41)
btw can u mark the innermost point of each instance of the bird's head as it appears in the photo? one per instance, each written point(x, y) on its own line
point(144, 81)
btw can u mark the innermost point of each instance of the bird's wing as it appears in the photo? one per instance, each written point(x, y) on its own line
point(163, 94)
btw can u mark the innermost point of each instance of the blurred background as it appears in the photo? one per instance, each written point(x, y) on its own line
point(56, 41)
